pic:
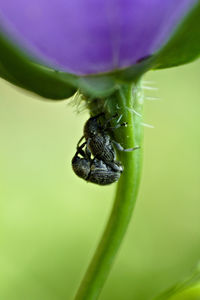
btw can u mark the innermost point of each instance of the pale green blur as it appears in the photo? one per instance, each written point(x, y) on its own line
point(188, 294)
point(50, 220)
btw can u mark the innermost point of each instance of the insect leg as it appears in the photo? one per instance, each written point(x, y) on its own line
point(87, 150)
point(118, 125)
point(80, 141)
point(80, 150)
point(107, 123)
point(120, 148)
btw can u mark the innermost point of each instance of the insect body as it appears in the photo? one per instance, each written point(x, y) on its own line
point(103, 168)
point(98, 140)
point(94, 170)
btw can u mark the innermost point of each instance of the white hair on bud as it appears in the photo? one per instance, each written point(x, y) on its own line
point(147, 125)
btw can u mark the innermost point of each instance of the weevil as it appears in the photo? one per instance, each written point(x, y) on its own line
point(95, 159)
point(99, 141)
point(94, 170)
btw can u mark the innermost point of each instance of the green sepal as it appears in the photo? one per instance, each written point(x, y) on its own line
point(184, 46)
point(20, 70)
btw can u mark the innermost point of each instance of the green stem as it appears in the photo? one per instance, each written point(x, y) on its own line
point(125, 101)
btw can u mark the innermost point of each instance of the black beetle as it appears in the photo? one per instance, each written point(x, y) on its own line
point(94, 170)
point(102, 168)
point(99, 142)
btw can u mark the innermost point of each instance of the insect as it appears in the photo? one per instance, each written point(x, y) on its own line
point(99, 142)
point(103, 168)
point(94, 170)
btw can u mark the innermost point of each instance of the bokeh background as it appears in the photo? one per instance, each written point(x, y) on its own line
point(51, 221)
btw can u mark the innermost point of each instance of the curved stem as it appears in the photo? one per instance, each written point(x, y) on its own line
point(126, 101)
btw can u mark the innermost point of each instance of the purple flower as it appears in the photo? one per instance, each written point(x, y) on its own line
point(91, 36)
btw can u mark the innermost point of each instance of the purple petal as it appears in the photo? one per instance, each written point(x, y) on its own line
point(91, 36)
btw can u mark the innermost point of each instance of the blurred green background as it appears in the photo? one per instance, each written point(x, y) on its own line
point(50, 220)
